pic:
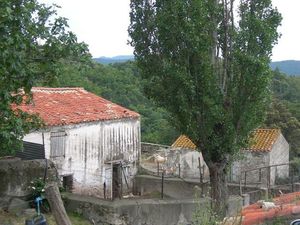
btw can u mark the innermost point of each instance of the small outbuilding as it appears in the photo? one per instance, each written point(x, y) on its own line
point(94, 143)
point(184, 152)
point(268, 148)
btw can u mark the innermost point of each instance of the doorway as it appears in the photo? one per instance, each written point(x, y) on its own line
point(117, 181)
point(68, 183)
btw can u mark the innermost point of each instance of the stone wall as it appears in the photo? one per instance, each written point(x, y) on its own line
point(279, 155)
point(151, 148)
point(251, 160)
point(16, 175)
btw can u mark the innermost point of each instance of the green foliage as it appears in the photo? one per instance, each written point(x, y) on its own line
point(205, 215)
point(287, 89)
point(37, 188)
point(121, 83)
point(278, 116)
point(33, 41)
point(284, 112)
point(209, 72)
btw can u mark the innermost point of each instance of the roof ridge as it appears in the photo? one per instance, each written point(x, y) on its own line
point(267, 129)
point(57, 88)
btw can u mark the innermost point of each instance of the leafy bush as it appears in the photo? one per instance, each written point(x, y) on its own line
point(37, 187)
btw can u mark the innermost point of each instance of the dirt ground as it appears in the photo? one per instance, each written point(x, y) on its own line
point(11, 219)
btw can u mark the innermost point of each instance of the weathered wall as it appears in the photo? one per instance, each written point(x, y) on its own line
point(189, 163)
point(279, 155)
point(16, 175)
point(90, 147)
point(250, 160)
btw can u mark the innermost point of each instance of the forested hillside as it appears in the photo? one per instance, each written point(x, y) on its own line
point(284, 111)
point(115, 59)
point(289, 67)
point(120, 83)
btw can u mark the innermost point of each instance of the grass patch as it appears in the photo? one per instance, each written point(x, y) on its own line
point(11, 219)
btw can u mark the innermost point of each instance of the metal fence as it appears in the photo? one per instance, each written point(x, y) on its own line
point(282, 177)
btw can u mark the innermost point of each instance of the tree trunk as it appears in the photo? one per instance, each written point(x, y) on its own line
point(219, 189)
point(57, 207)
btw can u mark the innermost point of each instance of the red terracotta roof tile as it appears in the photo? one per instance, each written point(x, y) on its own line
point(64, 106)
point(263, 140)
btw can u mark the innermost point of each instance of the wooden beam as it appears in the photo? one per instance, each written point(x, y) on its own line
point(56, 204)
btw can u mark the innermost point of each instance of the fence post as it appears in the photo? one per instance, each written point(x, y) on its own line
point(162, 184)
point(241, 191)
point(268, 178)
point(179, 170)
point(275, 174)
point(259, 176)
point(245, 184)
point(157, 168)
point(293, 188)
point(201, 177)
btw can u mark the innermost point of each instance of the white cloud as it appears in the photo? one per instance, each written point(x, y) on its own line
point(103, 24)
point(288, 45)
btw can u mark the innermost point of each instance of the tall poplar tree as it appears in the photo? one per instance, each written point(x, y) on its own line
point(209, 69)
point(33, 41)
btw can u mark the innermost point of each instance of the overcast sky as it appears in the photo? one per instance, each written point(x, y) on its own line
point(102, 24)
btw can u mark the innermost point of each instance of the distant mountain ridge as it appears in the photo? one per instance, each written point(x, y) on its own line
point(289, 67)
point(115, 59)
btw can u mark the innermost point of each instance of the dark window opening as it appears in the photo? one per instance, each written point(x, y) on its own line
point(68, 183)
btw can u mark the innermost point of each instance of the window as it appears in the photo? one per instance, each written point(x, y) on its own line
point(57, 144)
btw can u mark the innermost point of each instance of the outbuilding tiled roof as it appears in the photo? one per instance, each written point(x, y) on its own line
point(184, 142)
point(263, 140)
point(65, 106)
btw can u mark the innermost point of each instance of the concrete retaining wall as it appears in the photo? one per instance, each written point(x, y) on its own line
point(16, 175)
point(173, 187)
point(133, 211)
point(141, 211)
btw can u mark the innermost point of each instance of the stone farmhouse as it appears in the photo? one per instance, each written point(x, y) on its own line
point(268, 147)
point(94, 143)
